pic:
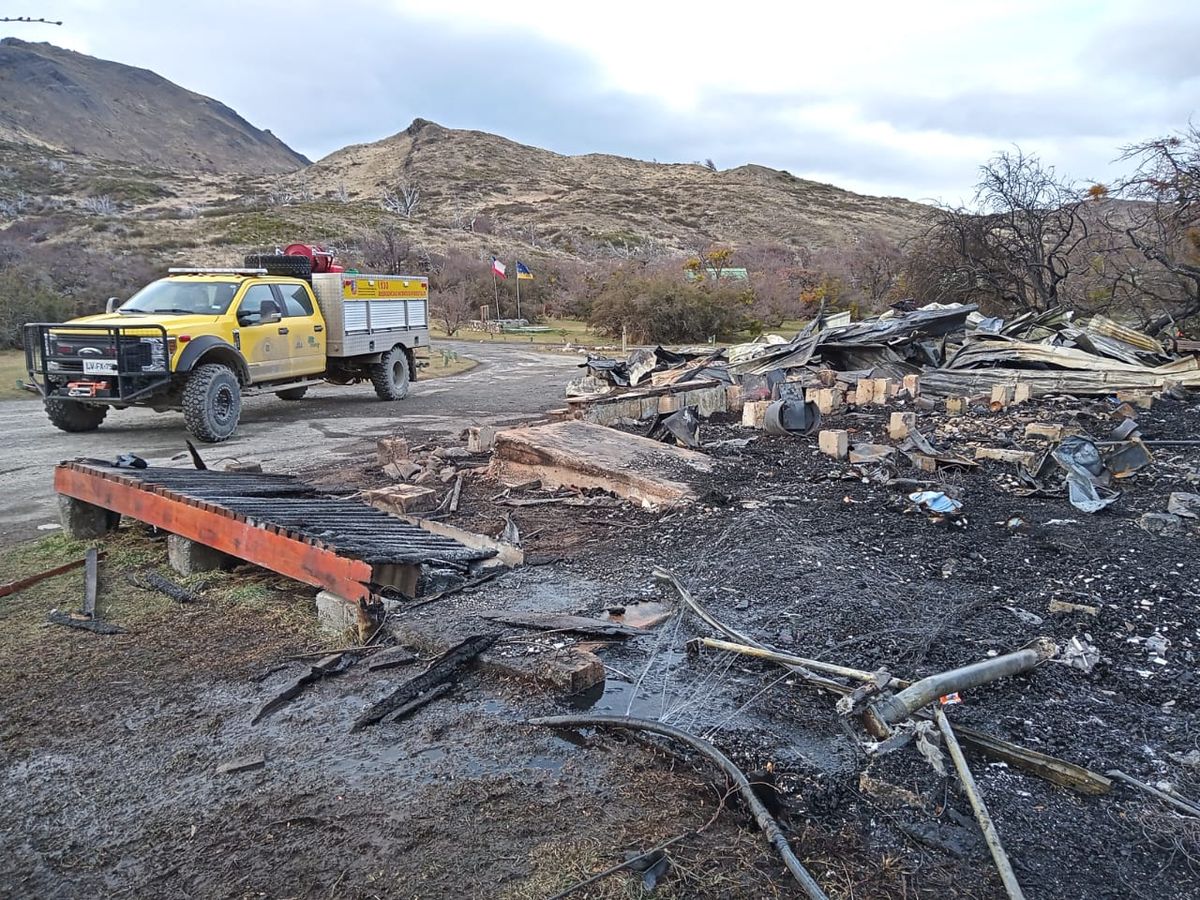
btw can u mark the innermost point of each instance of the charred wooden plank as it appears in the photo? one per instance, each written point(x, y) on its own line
point(85, 623)
point(329, 665)
point(556, 622)
point(445, 668)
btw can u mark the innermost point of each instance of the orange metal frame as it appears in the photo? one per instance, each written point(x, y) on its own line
point(271, 547)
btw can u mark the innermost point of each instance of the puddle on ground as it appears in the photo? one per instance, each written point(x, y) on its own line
point(620, 698)
point(643, 614)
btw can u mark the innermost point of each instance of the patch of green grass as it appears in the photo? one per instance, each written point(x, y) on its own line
point(562, 332)
point(126, 190)
point(12, 371)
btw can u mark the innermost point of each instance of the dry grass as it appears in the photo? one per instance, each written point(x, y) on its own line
point(442, 365)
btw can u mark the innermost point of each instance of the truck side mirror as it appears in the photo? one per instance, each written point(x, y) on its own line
point(269, 312)
point(112, 304)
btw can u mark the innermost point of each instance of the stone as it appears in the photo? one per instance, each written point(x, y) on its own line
point(957, 406)
point(84, 521)
point(391, 449)
point(241, 764)
point(188, 557)
point(1163, 524)
point(481, 438)
point(244, 466)
point(336, 614)
point(1062, 606)
point(827, 377)
point(402, 470)
point(1181, 503)
point(753, 413)
point(1022, 392)
point(834, 442)
point(401, 499)
point(900, 424)
point(1002, 396)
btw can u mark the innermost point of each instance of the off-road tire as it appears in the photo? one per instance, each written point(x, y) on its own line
point(280, 264)
point(212, 403)
point(392, 375)
point(67, 415)
point(296, 393)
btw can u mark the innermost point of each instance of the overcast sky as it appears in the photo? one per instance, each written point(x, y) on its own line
point(895, 98)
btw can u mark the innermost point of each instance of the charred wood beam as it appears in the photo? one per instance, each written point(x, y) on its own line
point(445, 668)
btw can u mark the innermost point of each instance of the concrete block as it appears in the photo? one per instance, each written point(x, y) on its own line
point(864, 391)
point(734, 398)
point(84, 521)
point(827, 377)
point(1002, 396)
point(900, 424)
point(882, 390)
point(828, 400)
point(834, 442)
point(1140, 399)
point(924, 463)
point(401, 499)
point(244, 466)
point(1000, 454)
point(1022, 392)
point(753, 413)
point(336, 614)
point(481, 439)
point(391, 450)
point(957, 406)
point(188, 557)
point(912, 385)
point(1045, 431)
point(668, 403)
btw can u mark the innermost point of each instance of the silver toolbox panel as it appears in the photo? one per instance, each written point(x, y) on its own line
point(360, 325)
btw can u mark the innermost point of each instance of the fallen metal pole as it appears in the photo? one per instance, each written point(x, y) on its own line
point(986, 825)
point(786, 659)
point(1184, 806)
point(766, 822)
point(13, 586)
point(1051, 768)
point(921, 693)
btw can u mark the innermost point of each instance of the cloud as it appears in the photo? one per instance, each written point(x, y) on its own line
point(877, 97)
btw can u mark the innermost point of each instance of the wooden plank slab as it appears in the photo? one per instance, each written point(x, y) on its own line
point(582, 455)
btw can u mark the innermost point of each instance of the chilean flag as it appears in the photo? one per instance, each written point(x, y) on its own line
point(498, 268)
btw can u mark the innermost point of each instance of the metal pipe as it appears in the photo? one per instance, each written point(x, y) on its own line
point(786, 659)
point(986, 825)
point(921, 693)
point(1183, 805)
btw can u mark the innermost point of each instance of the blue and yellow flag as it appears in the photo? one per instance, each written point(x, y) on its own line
point(523, 273)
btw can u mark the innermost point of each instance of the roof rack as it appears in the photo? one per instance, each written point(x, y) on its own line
point(189, 271)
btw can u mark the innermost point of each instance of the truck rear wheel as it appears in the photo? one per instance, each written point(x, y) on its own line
point(391, 375)
point(67, 415)
point(212, 403)
point(292, 393)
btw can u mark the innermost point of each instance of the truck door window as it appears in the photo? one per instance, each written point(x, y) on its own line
point(250, 308)
point(294, 300)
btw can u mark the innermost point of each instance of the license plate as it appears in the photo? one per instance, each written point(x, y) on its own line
point(100, 367)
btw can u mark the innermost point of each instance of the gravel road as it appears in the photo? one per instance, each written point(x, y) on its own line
point(509, 385)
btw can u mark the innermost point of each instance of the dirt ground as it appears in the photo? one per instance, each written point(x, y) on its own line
point(110, 743)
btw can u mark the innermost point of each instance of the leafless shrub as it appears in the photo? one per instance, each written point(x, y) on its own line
point(11, 207)
point(403, 201)
point(341, 195)
point(103, 205)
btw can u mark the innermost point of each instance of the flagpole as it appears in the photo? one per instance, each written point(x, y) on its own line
point(518, 292)
point(496, 290)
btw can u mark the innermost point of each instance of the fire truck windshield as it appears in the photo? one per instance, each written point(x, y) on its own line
point(169, 297)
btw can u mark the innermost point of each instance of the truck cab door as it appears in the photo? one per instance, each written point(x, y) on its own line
point(264, 345)
point(306, 329)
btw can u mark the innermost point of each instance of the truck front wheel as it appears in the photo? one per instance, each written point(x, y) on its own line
point(212, 403)
point(67, 415)
point(391, 375)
